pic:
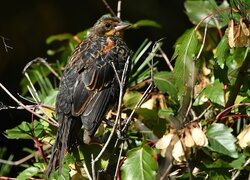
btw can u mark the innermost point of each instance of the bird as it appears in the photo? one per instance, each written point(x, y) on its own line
point(89, 86)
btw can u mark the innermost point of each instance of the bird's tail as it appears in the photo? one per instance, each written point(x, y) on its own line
point(66, 138)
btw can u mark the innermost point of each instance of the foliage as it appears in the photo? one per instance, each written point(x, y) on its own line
point(192, 124)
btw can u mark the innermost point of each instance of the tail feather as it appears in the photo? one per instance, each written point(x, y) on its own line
point(66, 138)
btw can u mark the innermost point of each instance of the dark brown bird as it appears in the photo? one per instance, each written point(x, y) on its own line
point(89, 86)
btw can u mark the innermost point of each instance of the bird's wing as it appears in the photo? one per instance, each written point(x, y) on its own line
point(93, 91)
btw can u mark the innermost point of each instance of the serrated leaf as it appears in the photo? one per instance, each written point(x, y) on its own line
point(28, 173)
point(185, 49)
point(221, 140)
point(25, 131)
point(213, 92)
point(164, 81)
point(139, 164)
point(146, 22)
point(198, 10)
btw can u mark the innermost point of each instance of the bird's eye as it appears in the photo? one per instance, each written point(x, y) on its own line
point(108, 25)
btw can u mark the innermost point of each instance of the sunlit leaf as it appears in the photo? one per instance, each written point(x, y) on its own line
point(185, 49)
point(212, 92)
point(221, 140)
point(28, 173)
point(146, 22)
point(222, 51)
point(198, 10)
point(164, 81)
point(139, 164)
point(25, 131)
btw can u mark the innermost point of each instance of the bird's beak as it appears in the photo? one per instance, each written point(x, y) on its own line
point(122, 26)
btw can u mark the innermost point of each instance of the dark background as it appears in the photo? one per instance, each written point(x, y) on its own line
point(27, 24)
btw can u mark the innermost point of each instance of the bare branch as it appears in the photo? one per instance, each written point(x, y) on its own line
point(26, 158)
point(109, 8)
point(166, 59)
point(118, 115)
point(43, 61)
point(27, 108)
point(87, 171)
point(5, 44)
point(119, 158)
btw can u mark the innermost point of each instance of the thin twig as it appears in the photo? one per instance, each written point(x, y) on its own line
point(37, 99)
point(26, 158)
point(166, 59)
point(227, 110)
point(109, 8)
point(43, 61)
point(93, 167)
point(201, 115)
point(27, 108)
point(87, 171)
point(118, 164)
point(142, 99)
point(121, 83)
point(203, 42)
point(36, 96)
point(5, 44)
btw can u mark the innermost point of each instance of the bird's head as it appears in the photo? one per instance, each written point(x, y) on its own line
point(108, 26)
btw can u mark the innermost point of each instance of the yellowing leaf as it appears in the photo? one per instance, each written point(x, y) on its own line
point(244, 137)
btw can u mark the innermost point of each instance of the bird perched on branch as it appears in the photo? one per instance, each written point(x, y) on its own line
point(89, 86)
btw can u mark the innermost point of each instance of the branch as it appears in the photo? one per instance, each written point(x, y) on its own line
point(44, 62)
point(5, 44)
point(21, 161)
point(118, 115)
point(27, 108)
point(109, 8)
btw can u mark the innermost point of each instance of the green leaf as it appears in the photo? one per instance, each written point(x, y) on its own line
point(146, 22)
point(151, 119)
point(164, 81)
point(221, 74)
point(238, 163)
point(139, 164)
point(213, 92)
point(25, 131)
point(221, 140)
point(198, 10)
point(222, 51)
point(28, 173)
point(59, 37)
point(165, 113)
point(221, 174)
point(185, 49)
point(131, 98)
